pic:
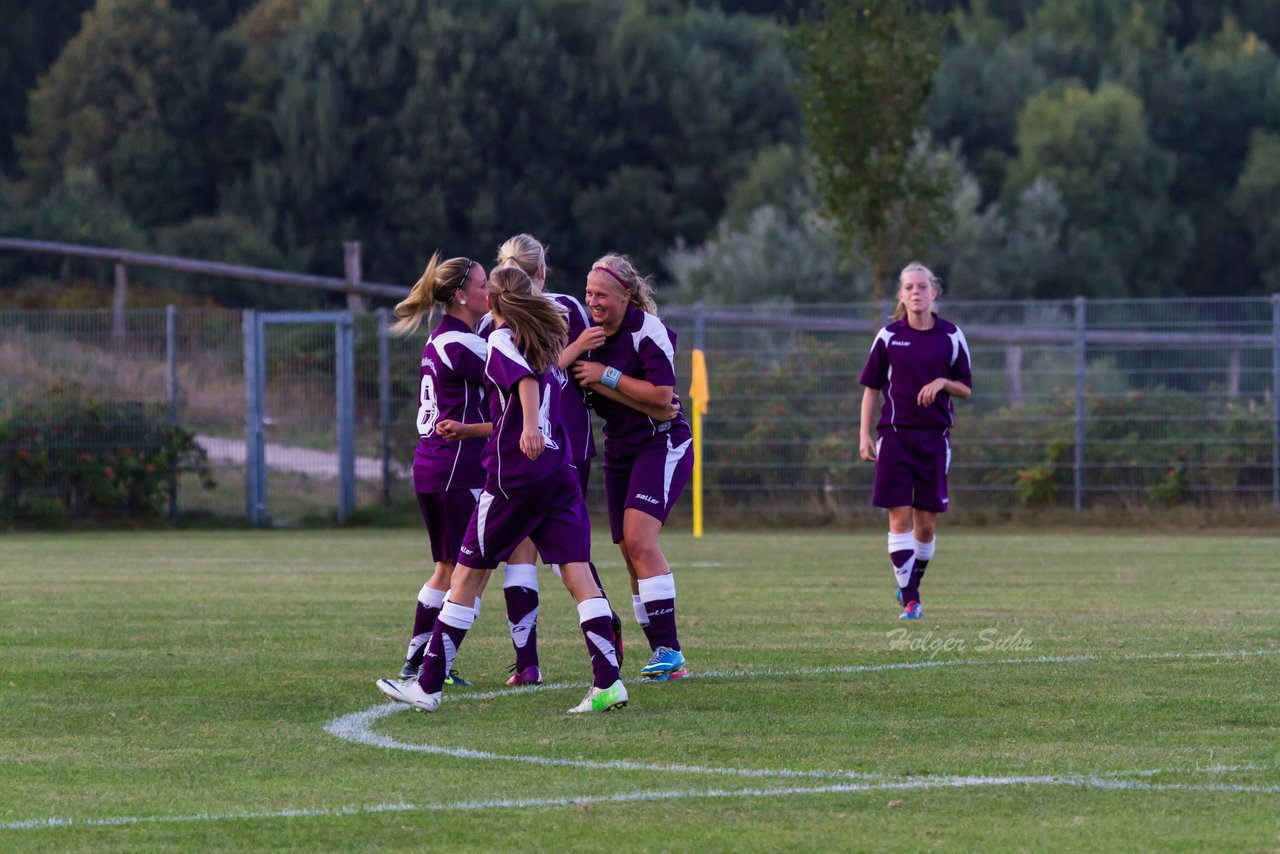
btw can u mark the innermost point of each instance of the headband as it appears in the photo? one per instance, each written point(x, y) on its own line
point(615, 276)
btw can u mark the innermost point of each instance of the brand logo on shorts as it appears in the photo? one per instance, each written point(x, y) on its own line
point(465, 550)
point(648, 498)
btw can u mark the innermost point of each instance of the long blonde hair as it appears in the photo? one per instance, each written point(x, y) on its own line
point(536, 323)
point(437, 286)
point(523, 251)
point(621, 270)
point(916, 267)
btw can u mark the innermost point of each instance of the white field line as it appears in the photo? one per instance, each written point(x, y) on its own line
point(906, 785)
point(355, 727)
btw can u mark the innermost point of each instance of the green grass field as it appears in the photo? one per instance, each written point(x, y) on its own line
point(215, 690)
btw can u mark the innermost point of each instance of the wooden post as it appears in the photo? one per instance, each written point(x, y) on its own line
point(117, 302)
point(354, 274)
point(1013, 370)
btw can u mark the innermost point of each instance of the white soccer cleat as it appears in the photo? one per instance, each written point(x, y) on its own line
point(410, 693)
point(602, 699)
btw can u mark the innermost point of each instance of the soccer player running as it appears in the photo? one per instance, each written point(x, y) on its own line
point(919, 362)
point(531, 491)
point(647, 460)
point(452, 426)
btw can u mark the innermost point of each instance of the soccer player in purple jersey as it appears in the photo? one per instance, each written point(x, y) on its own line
point(531, 491)
point(453, 422)
point(919, 362)
point(520, 583)
point(647, 461)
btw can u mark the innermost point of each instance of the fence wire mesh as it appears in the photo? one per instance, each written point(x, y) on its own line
point(1179, 406)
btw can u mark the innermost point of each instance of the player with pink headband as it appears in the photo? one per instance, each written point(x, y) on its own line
point(647, 460)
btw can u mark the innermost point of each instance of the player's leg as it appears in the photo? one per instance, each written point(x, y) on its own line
point(926, 544)
point(583, 468)
point(451, 628)
point(617, 481)
point(903, 557)
point(430, 601)
point(520, 589)
point(932, 461)
point(893, 490)
point(564, 536)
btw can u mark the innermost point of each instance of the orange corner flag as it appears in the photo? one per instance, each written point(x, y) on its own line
point(699, 389)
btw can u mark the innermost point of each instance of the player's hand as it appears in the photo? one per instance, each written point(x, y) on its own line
point(930, 392)
point(587, 373)
point(532, 442)
point(591, 338)
point(449, 430)
point(867, 449)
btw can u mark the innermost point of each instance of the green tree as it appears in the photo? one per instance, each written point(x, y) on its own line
point(595, 125)
point(1256, 200)
point(869, 69)
point(127, 100)
point(33, 35)
point(1124, 236)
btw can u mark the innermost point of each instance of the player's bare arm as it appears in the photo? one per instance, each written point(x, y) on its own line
point(866, 443)
point(929, 393)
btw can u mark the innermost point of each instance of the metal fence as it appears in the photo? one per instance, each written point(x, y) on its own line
point(1076, 404)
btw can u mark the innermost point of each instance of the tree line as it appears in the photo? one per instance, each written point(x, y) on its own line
point(1044, 148)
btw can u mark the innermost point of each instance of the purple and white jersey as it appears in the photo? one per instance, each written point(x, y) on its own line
point(904, 360)
point(646, 349)
point(450, 387)
point(573, 399)
point(506, 465)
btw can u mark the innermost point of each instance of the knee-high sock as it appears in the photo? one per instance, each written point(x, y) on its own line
point(642, 619)
point(924, 553)
point(596, 619)
point(424, 620)
point(659, 597)
point(446, 637)
point(902, 553)
point(520, 589)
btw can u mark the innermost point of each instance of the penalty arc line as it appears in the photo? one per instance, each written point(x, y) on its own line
point(355, 727)
point(358, 726)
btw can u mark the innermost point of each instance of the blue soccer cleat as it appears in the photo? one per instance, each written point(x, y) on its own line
point(899, 595)
point(453, 680)
point(912, 612)
point(664, 664)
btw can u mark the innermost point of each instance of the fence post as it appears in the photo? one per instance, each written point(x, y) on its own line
point(354, 273)
point(346, 395)
point(1275, 398)
point(171, 390)
point(117, 302)
point(255, 454)
point(384, 405)
point(1077, 501)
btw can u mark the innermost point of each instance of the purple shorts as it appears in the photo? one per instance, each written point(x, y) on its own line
point(551, 513)
point(447, 515)
point(584, 475)
point(651, 483)
point(911, 469)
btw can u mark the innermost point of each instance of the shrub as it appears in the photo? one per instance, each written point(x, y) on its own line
point(94, 459)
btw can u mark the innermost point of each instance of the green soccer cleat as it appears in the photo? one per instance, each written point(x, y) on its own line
point(602, 699)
